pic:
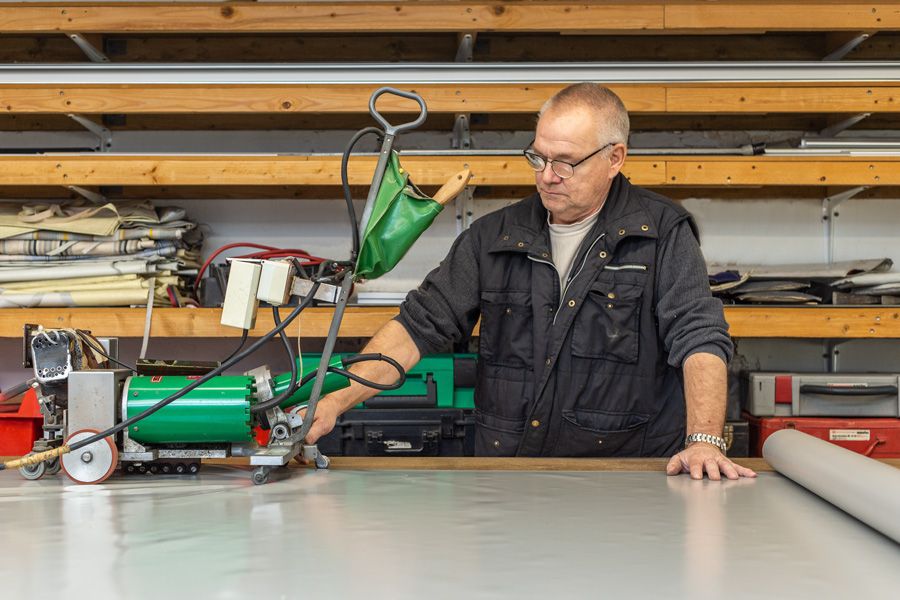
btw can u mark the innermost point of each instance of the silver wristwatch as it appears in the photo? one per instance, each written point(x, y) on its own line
point(709, 439)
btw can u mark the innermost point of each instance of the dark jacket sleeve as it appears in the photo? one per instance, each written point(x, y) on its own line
point(445, 308)
point(690, 320)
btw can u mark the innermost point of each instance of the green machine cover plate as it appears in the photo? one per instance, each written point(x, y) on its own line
point(217, 411)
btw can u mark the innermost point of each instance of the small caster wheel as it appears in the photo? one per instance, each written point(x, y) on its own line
point(166, 468)
point(33, 472)
point(322, 461)
point(181, 468)
point(130, 469)
point(260, 475)
point(154, 469)
point(53, 466)
point(193, 468)
point(142, 469)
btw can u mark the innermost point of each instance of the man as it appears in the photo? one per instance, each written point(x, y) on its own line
point(599, 336)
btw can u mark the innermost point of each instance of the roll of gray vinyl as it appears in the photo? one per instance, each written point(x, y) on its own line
point(863, 487)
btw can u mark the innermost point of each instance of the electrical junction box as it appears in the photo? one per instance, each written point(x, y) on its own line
point(240, 306)
point(275, 282)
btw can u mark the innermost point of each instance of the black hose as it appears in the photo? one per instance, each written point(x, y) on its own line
point(240, 345)
point(345, 183)
point(344, 373)
point(292, 386)
point(183, 391)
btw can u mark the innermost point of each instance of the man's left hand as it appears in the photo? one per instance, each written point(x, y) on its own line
point(700, 457)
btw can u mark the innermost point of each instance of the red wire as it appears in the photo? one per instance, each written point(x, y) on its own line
point(267, 252)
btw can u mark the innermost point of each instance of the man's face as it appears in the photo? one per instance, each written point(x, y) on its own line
point(569, 134)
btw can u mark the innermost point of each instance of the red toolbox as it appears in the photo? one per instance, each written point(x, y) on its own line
point(875, 437)
point(20, 428)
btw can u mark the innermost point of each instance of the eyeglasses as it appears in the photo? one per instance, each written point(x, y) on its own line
point(563, 170)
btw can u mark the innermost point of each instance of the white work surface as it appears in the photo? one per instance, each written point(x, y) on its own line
point(434, 534)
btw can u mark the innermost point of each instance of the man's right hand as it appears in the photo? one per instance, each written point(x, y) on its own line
point(327, 412)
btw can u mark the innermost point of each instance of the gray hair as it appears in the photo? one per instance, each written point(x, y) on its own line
point(609, 107)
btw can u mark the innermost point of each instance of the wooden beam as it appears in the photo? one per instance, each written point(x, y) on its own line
point(298, 98)
point(813, 322)
point(691, 16)
point(403, 463)
point(271, 170)
point(442, 98)
point(365, 16)
point(784, 99)
point(783, 170)
point(744, 321)
point(187, 322)
point(775, 15)
point(303, 170)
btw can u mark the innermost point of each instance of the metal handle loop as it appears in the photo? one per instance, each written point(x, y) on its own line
point(392, 129)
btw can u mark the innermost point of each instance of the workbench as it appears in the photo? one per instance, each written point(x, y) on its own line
point(437, 528)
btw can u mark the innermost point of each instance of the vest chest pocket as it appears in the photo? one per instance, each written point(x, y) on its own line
point(608, 324)
point(506, 328)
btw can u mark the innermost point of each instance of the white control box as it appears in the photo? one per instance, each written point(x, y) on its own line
point(240, 306)
point(275, 282)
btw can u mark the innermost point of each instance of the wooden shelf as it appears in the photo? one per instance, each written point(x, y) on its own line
point(745, 322)
point(312, 170)
point(682, 98)
point(688, 16)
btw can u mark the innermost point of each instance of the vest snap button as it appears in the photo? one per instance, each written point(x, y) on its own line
point(621, 232)
point(520, 244)
point(505, 237)
point(571, 303)
point(603, 254)
point(609, 306)
point(496, 443)
point(549, 360)
point(644, 228)
point(611, 295)
point(535, 423)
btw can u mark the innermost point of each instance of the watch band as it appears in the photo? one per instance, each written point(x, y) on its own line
point(707, 438)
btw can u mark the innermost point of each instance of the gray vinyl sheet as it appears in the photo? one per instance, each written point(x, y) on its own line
point(865, 488)
point(434, 534)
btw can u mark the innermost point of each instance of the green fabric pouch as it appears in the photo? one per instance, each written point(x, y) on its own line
point(400, 214)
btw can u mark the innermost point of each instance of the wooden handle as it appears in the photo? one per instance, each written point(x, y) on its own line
point(453, 187)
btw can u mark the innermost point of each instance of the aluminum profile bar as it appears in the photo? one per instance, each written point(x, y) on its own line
point(853, 143)
point(448, 73)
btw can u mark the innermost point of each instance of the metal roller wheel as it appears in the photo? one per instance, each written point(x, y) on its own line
point(92, 464)
point(53, 466)
point(322, 461)
point(260, 475)
point(33, 472)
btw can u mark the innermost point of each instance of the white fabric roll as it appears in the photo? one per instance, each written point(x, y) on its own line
point(865, 488)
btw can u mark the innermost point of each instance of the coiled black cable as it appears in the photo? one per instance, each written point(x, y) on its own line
point(345, 183)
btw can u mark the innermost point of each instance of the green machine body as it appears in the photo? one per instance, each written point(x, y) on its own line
point(216, 412)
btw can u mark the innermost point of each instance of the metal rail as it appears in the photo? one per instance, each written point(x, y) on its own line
point(448, 73)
